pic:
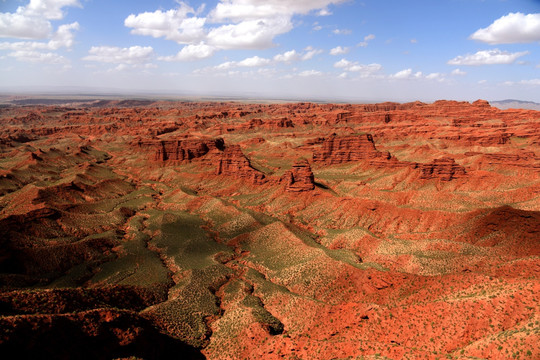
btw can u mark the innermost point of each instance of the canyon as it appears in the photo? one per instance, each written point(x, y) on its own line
point(236, 230)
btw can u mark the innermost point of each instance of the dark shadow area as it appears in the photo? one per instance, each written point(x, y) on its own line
point(96, 334)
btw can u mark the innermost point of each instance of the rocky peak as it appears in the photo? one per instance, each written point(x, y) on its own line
point(233, 162)
point(444, 168)
point(300, 178)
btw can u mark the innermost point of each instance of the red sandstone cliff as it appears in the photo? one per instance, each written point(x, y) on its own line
point(233, 162)
point(299, 178)
point(341, 149)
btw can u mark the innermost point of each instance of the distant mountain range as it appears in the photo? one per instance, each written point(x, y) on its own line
point(515, 104)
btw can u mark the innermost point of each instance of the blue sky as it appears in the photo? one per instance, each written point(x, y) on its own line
point(349, 50)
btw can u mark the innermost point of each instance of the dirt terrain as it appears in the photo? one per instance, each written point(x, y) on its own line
point(228, 230)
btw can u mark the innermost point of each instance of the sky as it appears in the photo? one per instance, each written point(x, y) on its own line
point(341, 50)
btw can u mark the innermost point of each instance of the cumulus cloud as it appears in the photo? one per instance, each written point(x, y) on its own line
point(317, 27)
point(511, 28)
point(39, 57)
point(32, 21)
point(249, 34)
point(287, 56)
point(174, 24)
point(134, 55)
point(435, 76)
point(191, 52)
point(367, 39)
point(407, 74)
point(458, 72)
point(342, 31)
point(353, 66)
point(254, 61)
point(310, 52)
point(338, 50)
point(240, 24)
point(240, 10)
point(63, 38)
point(250, 62)
point(324, 12)
point(487, 57)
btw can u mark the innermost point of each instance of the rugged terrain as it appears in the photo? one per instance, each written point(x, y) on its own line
point(227, 230)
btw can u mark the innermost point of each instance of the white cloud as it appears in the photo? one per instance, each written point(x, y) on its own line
point(342, 31)
point(414, 41)
point(38, 57)
point(367, 39)
point(249, 34)
point(364, 70)
point(226, 65)
point(407, 74)
point(241, 10)
point(338, 50)
point(343, 63)
point(403, 74)
point(310, 52)
point(251, 62)
point(174, 24)
point(287, 56)
point(63, 37)
point(49, 9)
point(324, 12)
point(23, 27)
point(32, 21)
point(134, 55)
point(435, 76)
point(292, 55)
point(254, 61)
point(307, 73)
point(487, 57)
point(191, 52)
point(458, 72)
point(511, 28)
point(242, 24)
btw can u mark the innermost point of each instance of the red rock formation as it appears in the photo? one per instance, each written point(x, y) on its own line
point(526, 159)
point(299, 178)
point(233, 162)
point(445, 169)
point(341, 149)
point(180, 150)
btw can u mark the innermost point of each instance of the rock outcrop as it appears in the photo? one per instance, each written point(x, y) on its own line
point(342, 149)
point(445, 169)
point(234, 163)
point(299, 178)
point(180, 150)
